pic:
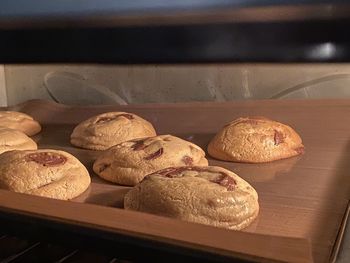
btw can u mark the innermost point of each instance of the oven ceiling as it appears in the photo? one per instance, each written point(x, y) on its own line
point(197, 31)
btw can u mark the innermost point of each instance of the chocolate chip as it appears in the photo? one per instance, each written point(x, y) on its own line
point(105, 119)
point(126, 115)
point(46, 158)
point(278, 137)
point(170, 172)
point(108, 119)
point(187, 160)
point(225, 180)
point(300, 150)
point(154, 155)
point(139, 145)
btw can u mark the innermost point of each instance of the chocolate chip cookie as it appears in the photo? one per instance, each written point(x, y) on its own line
point(128, 162)
point(207, 195)
point(255, 140)
point(47, 173)
point(15, 140)
point(19, 121)
point(108, 129)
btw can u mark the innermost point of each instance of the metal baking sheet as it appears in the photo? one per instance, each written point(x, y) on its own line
point(302, 197)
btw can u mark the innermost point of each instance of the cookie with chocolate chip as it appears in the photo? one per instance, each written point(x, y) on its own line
point(47, 173)
point(108, 129)
point(19, 121)
point(207, 195)
point(255, 140)
point(127, 163)
point(15, 140)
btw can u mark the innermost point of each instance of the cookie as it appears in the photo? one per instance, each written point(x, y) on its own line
point(127, 163)
point(19, 121)
point(108, 129)
point(15, 140)
point(255, 140)
point(47, 173)
point(208, 195)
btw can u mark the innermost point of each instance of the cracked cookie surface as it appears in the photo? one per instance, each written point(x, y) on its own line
point(108, 129)
point(48, 173)
point(202, 194)
point(127, 163)
point(255, 140)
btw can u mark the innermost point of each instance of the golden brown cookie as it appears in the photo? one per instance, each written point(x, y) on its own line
point(108, 129)
point(127, 163)
point(19, 121)
point(208, 195)
point(48, 173)
point(255, 140)
point(15, 140)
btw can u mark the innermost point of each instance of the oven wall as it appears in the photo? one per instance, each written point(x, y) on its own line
point(3, 96)
point(96, 84)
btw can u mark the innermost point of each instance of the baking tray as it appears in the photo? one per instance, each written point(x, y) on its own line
point(303, 200)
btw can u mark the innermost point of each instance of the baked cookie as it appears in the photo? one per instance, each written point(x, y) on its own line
point(127, 163)
point(255, 140)
point(19, 121)
point(108, 129)
point(48, 173)
point(208, 195)
point(15, 140)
